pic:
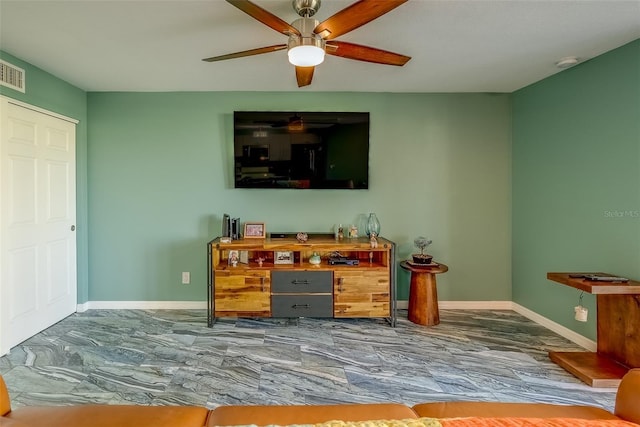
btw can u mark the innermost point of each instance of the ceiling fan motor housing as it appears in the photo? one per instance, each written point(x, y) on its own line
point(307, 37)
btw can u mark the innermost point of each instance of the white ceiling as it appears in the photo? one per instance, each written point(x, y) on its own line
point(455, 45)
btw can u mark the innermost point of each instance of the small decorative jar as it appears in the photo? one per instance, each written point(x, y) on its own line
point(315, 259)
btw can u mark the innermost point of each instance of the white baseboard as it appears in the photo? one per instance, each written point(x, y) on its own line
point(476, 305)
point(556, 327)
point(466, 305)
point(142, 305)
point(81, 308)
point(510, 305)
point(402, 305)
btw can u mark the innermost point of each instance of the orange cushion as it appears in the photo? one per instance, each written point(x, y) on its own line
point(262, 415)
point(5, 401)
point(532, 422)
point(496, 409)
point(110, 416)
point(628, 397)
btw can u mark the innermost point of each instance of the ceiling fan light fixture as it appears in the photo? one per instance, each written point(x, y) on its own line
point(306, 55)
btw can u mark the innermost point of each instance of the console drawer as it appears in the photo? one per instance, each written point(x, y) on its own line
point(302, 306)
point(301, 282)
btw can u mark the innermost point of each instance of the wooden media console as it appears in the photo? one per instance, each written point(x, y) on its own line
point(274, 277)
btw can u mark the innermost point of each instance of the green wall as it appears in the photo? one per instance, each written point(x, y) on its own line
point(49, 92)
point(576, 181)
point(160, 178)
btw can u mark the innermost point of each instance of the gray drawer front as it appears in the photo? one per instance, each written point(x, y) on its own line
point(302, 306)
point(301, 281)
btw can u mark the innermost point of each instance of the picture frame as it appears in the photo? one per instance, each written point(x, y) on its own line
point(283, 257)
point(234, 257)
point(254, 230)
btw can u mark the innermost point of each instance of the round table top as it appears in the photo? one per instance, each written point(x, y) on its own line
point(434, 268)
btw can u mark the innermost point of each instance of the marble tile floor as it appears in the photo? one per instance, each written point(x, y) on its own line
point(163, 357)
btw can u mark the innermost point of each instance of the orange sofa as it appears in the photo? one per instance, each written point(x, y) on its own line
point(445, 414)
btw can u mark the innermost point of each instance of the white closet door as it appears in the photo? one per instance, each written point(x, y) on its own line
point(37, 222)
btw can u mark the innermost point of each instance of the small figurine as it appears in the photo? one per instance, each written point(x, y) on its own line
point(302, 237)
point(340, 232)
point(373, 240)
point(353, 231)
point(234, 259)
point(260, 261)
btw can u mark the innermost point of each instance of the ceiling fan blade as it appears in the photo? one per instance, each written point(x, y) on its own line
point(365, 53)
point(354, 16)
point(304, 75)
point(250, 52)
point(264, 16)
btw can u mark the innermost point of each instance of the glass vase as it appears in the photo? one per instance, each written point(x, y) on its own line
point(373, 225)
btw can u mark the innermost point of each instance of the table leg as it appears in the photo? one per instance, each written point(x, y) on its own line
point(423, 299)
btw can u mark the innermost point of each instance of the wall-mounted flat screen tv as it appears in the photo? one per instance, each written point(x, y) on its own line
point(305, 150)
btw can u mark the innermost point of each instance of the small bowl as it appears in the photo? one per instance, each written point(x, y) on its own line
point(422, 258)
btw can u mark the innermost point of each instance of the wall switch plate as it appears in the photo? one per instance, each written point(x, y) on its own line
point(186, 277)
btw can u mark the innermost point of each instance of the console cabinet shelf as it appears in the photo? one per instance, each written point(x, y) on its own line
point(299, 288)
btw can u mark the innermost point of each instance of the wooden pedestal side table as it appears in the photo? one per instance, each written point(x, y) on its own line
point(423, 293)
point(618, 328)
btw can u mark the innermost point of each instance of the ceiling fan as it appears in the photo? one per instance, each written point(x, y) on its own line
point(310, 39)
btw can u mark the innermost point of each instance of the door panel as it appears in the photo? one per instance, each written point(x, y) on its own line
point(58, 191)
point(57, 277)
point(242, 293)
point(23, 281)
point(21, 197)
point(361, 293)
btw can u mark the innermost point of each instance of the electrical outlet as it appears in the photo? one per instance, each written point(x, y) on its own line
point(186, 277)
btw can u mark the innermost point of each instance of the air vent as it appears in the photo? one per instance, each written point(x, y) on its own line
point(11, 76)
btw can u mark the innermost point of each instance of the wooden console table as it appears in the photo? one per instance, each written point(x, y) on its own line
point(423, 293)
point(618, 328)
point(275, 277)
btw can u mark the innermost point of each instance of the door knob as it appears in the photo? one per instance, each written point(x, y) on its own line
point(73, 228)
